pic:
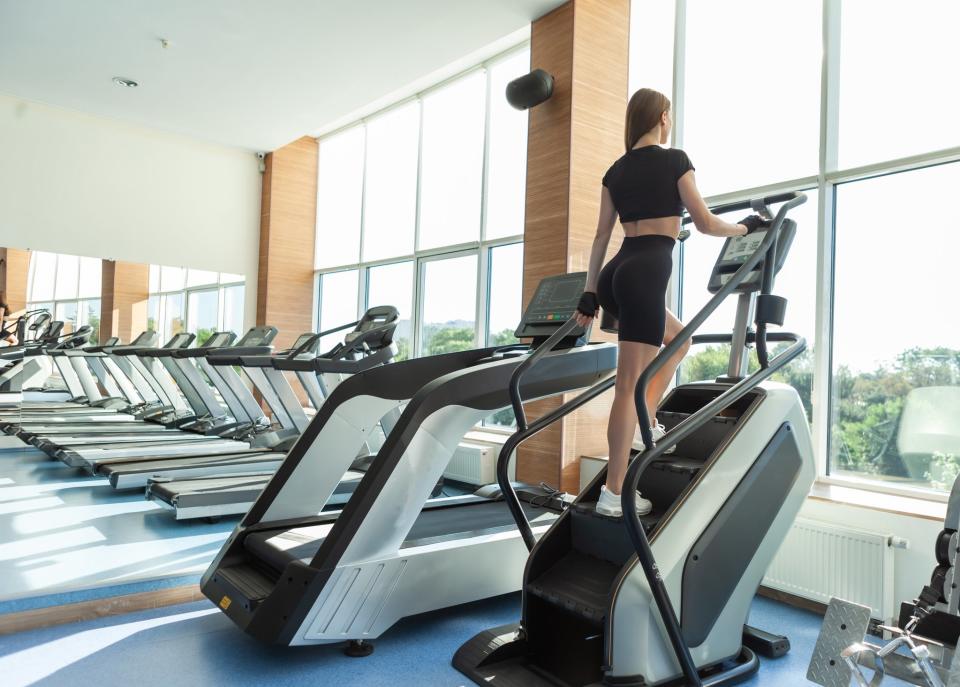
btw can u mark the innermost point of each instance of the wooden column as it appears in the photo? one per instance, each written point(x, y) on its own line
point(13, 280)
point(573, 138)
point(125, 290)
point(288, 217)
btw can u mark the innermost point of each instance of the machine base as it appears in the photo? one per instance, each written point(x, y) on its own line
point(499, 657)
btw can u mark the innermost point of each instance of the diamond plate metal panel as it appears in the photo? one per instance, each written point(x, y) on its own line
point(844, 624)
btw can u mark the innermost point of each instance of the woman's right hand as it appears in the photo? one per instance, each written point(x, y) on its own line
point(587, 308)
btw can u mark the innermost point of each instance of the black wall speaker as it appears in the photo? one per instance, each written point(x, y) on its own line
point(530, 89)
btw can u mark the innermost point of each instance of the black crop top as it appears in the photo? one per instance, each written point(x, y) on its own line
point(643, 183)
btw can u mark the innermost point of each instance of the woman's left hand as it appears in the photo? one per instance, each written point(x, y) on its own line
point(587, 308)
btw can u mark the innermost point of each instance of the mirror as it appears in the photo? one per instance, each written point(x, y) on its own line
point(72, 529)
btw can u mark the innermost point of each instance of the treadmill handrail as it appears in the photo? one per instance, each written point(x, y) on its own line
point(628, 492)
point(532, 360)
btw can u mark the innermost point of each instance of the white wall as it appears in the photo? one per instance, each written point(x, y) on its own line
point(75, 183)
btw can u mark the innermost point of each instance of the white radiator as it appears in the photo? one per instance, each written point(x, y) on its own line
point(476, 463)
point(818, 561)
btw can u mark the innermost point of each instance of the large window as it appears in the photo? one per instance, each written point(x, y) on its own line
point(421, 207)
point(738, 135)
point(196, 301)
point(772, 96)
point(69, 287)
point(896, 343)
point(894, 102)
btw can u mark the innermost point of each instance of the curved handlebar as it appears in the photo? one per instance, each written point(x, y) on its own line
point(749, 204)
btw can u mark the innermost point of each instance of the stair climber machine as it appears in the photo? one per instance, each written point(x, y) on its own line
point(663, 599)
point(294, 573)
point(229, 486)
point(922, 645)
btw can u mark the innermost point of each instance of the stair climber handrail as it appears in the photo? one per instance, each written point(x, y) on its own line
point(525, 430)
point(521, 435)
point(641, 461)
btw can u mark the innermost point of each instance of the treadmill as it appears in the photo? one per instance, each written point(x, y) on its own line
point(369, 345)
point(109, 419)
point(291, 573)
point(198, 435)
point(136, 472)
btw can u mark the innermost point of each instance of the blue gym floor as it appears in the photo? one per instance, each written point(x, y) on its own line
point(66, 536)
point(194, 644)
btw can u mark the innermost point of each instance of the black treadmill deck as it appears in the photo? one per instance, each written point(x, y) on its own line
point(278, 548)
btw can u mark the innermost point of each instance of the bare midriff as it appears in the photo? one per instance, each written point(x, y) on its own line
point(655, 226)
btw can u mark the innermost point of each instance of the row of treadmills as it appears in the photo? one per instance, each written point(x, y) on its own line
point(202, 428)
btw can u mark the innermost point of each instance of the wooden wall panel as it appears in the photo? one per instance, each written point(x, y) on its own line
point(573, 139)
point(287, 233)
point(16, 270)
point(124, 294)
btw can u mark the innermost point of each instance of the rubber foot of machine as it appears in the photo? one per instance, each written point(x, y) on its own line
point(357, 648)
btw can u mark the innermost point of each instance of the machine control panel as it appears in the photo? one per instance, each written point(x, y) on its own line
point(554, 302)
point(738, 249)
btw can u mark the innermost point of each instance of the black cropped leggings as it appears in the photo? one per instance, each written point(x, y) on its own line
point(633, 286)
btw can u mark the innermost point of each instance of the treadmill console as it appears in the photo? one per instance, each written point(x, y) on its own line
point(738, 249)
point(554, 302)
point(147, 339)
point(181, 340)
point(258, 336)
point(219, 340)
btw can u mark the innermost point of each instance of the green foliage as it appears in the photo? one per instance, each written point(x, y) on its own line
point(503, 338)
point(403, 349)
point(866, 406)
point(202, 335)
point(94, 321)
point(446, 339)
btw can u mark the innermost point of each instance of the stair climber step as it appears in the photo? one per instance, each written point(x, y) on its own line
point(579, 583)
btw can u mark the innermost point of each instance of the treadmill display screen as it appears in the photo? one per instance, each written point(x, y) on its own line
point(556, 300)
point(218, 340)
point(553, 304)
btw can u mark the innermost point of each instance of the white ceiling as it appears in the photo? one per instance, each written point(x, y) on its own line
point(255, 74)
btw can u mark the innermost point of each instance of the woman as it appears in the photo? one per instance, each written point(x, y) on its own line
point(648, 187)
point(6, 337)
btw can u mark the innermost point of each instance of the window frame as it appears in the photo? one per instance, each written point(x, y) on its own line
point(54, 302)
point(219, 285)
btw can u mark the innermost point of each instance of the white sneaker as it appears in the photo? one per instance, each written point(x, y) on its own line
point(658, 433)
point(609, 504)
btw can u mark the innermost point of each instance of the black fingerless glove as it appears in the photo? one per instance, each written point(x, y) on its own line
point(754, 222)
point(588, 304)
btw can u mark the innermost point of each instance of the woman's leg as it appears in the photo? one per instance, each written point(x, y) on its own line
point(632, 360)
point(661, 380)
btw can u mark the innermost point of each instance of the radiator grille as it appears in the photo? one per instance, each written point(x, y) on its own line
point(818, 561)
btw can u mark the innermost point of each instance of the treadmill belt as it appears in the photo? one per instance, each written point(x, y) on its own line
point(278, 548)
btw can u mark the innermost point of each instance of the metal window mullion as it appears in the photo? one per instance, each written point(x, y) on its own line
point(363, 197)
point(675, 291)
point(895, 166)
point(482, 313)
point(420, 277)
point(361, 290)
point(822, 396)
point(419, 205)
point(484, 177)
